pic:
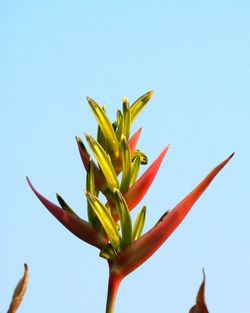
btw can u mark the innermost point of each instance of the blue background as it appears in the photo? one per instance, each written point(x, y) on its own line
point(195, 55)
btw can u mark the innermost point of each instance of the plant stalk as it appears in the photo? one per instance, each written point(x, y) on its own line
point(113, 285)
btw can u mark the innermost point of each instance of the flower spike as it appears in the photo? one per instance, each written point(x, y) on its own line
point(146, 245)
point(73, 223)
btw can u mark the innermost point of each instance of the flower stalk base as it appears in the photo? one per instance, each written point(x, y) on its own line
point(114, 282)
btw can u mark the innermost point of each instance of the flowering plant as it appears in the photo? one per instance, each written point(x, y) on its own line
point(115, 174)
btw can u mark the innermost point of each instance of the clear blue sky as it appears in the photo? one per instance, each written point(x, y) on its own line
point(195, 55)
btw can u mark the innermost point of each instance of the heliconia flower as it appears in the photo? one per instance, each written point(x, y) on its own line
point(109, 226)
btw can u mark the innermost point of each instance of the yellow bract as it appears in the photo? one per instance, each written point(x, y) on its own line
point(125, 219)
point(126, 166)
point(106, 127)
point(106, 220)
point(126, 122)
point(139, 224)
point(140, 104)
point(104, 162)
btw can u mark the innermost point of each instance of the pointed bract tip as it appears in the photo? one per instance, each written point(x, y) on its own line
point(165, 149)
point(86, 135)
point(227, 160)
point(203, 272)
point(151, 93)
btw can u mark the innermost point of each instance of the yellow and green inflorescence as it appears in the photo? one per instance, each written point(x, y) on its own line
point(115, 158)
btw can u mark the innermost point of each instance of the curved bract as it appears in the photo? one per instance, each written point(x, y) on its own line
point(140, 250)
point(73, 223)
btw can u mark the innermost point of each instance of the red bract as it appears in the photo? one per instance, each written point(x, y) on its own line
point(132, 143)
point(140, 250)
point(73, 223)
point(100, 181)
point(137, 191)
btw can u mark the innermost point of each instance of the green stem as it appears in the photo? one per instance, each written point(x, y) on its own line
point(114, 282)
